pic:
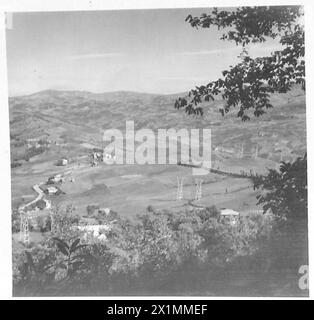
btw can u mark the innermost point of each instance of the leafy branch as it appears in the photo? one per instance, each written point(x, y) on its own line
point(248, 84)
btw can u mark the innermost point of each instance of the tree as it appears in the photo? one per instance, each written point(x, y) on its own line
point(248, 85)
point(285, 191)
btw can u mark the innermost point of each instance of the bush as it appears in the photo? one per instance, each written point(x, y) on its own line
point(42, 268)
point(150, 252)
point(15, 164)
point(32, 152)
point(43, 223)
point(91, 209)
point(15, 221)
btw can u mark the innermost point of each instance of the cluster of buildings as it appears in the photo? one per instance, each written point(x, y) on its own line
point(58, 178)
point(37, 142)
point(105, 157)
point(51, 189)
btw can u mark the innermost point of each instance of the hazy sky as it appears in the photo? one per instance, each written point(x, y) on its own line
point(152, 51)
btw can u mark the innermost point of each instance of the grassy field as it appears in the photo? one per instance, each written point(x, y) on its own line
point(71, 121)
point(130, 189)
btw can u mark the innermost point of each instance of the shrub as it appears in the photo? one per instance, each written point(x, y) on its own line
point(32, 152)
point(64, 223)
point(160, 243)
point(42, 268)
point(15, 164)
point(15, 221)
point(143, 254)
point(43, 223)
point(91, 209)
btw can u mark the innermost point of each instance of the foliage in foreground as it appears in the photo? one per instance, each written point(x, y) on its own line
point(155, 252)
point(285, 191)
point(248, 85)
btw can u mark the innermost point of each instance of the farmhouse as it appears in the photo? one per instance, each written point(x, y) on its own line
point(230, 215)
point(51, 190)
point(107, 214)
point(62, 162)
point(104, 211)
point(55, 179)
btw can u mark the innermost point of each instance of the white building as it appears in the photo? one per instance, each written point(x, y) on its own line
point(52, 190)
point(63, 162)
point(56, 178)
point(229, 212)
point(48, 204)
point(230, 215)
point(96, 231)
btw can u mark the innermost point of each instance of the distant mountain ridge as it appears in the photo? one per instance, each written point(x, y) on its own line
point(296, 89)
point(122, 93)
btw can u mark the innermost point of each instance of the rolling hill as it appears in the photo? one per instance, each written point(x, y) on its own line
point(70, 118)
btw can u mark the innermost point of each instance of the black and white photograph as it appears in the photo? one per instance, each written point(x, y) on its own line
point(158, 151)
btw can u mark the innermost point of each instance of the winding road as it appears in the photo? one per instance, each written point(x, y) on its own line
point(37, 189)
